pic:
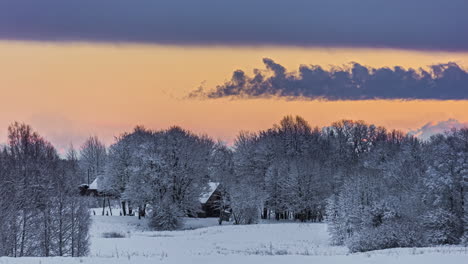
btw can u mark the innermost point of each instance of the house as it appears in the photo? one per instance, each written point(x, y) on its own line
point(90, 190)
point(210, 201)
point(93, 191)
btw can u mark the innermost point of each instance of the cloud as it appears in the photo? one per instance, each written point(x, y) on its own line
point(354, 82)
point(432, 128)
point(416, 24)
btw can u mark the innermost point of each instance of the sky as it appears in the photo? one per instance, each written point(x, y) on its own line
point(73, 69)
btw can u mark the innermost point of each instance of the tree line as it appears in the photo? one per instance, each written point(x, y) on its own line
point(374, 187)
point(41, 212)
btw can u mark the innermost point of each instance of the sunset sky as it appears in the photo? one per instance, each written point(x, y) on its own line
point(92, 69)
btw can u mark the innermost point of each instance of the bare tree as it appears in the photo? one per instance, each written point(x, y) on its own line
point(93, 157)
point(40, 198)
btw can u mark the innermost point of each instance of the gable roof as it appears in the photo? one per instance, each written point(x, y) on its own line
point(212, 188)
point(94, 185)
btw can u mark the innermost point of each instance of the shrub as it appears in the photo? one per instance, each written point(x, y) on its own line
point(113, 235)
point(442, 227)
point(245, 215)
point(166, 217)
point(389, 235)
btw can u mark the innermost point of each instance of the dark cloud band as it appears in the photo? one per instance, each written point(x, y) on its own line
point(356, 82)
point(416, 24)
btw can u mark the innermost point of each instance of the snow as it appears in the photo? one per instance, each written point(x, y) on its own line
point(211, 189)
point(94, 185)
point(211, 243)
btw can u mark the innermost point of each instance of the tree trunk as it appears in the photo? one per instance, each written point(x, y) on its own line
point(124, 208)
point(73, 229)
point(130, 210)
point(110, 208)
point(16, 240)
point(103, 205)
point(23, 234)
point(46, 233)
point(221, 215)
point(464, 191)
point(265, 213)
point(141, 211)
point(61, 229)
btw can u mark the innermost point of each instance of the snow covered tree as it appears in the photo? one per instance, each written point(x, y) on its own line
point(444, 182)
point(381, 195)
point(40, 198)
point(247, 190)
point(221, 170)
point(120, 164)
point(375, 188)
point(77, 220)
point(167, 170)
point(93, 158)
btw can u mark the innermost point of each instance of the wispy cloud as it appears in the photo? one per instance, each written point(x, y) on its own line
point(432, 128)
point(416, 24)
point(354, 82)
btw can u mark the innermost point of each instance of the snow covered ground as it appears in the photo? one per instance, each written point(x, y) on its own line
point(205, 242)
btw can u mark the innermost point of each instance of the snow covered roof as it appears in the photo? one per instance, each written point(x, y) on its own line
point(94, 185)
point(212, 188)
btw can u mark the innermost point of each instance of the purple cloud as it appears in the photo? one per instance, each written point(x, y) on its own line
point(355, 82)
point(416, 24)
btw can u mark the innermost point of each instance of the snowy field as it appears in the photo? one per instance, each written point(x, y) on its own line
point(204, 241)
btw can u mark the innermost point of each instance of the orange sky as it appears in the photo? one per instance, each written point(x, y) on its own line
point(69, 91)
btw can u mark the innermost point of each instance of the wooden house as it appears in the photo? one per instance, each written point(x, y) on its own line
point(91, 189)
point(210, 201)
